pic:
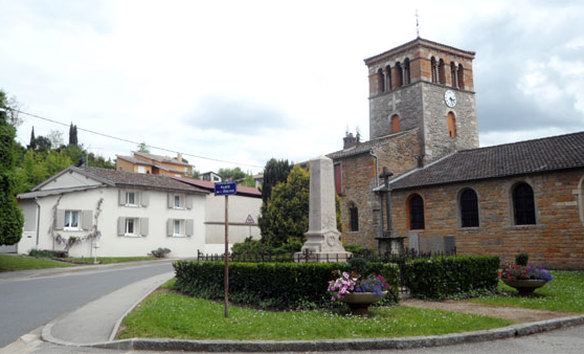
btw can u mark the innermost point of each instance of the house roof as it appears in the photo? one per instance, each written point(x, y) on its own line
point(525, 157)
point(160, 158)
point(366, 146)
point(110, 177)
point(136, 161)
point(208, 185)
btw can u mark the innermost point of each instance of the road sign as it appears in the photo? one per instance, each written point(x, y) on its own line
point(249, 220)
point(225, 188)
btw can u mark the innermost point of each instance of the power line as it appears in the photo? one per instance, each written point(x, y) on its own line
point(133, 142)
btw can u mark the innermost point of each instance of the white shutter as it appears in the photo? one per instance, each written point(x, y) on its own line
point(87, 219)
point(60, 220)
point(144, 199)
point(121, 226)
point(189, 201)
point(189, 227)
point(144, 226)
point(170, 200)
point(121, 197)
point(169, 227)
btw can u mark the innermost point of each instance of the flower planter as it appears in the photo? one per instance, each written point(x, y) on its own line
point(525, 287)
point(359, 302)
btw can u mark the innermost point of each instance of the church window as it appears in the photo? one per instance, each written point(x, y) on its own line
point(354, 217)
point(523, 204)
point(406, 75)
point(388, 78)
point(441, 73)
point(398, 75)
point(469, 208)
point(338, 179)
point(460, 76)
point(451, 125)
point(434, 67)
point(580, 196)
point(380, 81)
point(395, 123)
point(453, 75)
point(416, 212)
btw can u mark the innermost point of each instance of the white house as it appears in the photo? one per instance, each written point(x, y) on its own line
point(243, 211)
point(106, 212)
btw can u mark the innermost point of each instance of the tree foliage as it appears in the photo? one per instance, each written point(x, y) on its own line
point(231, 174)
point(276, 171)
point(11, 220)
point(284, 218)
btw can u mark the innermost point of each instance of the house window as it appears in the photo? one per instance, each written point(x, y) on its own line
point(523, 205)
point(416, 212)
point(141, 169)
point(177, 201)
point(178, 228)
point(354, 217)
point(72, 219)
point(580, 196)
point(131, 227)
point(395, 123)
point(451, 125)
point(469, 208)
point(130, 198)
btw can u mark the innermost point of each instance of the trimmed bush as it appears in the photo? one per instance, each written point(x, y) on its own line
point(48, 253)
point(441, 277)
point(522, 259)
point(278, 285)
point(160, 252)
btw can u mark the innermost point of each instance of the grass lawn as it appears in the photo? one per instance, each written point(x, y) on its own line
point(109, 260)
point(11, 263)
point(563, 294)
point(171, 315)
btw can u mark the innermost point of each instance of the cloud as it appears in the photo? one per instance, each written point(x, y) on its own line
point(236, 116)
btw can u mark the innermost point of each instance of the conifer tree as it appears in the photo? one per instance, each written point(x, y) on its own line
point(32, 143)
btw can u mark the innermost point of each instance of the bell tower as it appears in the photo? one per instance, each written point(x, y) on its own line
point(426, 86)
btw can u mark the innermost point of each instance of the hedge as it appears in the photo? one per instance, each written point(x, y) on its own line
point(278, 285)
point(441, 277)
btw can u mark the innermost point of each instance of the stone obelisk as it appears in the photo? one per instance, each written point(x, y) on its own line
point(322, 238)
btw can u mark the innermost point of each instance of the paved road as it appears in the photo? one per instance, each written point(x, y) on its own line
point(27, 303)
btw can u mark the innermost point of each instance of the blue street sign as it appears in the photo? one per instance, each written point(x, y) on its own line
point(225, 188)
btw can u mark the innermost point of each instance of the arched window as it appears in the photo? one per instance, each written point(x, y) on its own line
point(354, 217)
point(388, 78)
point(453, 75)
point(451, 125)
point(581, 199)
point(398, 75)
point(434, 67)
point(441, 73)
point(416, 212)
point(523, 205)
point(395, 123)
point(469, 208)
point(380, 81)
point(407, 78)
point(460, 76)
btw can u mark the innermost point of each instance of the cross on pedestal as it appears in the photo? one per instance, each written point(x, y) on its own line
point(385, 174)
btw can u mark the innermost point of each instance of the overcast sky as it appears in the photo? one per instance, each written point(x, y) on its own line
point(244, 81)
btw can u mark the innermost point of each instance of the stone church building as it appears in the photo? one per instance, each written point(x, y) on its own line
point(422, 180)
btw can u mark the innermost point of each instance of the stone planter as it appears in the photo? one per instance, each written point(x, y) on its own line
point(525, 287)
point(359, 302)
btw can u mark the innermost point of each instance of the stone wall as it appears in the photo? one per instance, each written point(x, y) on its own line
point(556, 241)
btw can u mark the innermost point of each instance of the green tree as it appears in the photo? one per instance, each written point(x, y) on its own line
point(284, 217)
point(276, 171)
point(142, 147)
point(73, 135)
point(231, 174)
point(11, 219)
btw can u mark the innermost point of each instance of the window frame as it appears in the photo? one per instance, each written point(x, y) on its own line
point(134, 222)
point(353, 217)
point(416, 217)
point(523, 206)
point(181, 228)
point(68, 219)
point(128, 202)
point(463, 213)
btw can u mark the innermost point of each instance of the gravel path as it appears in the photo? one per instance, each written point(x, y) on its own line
point(511, 313)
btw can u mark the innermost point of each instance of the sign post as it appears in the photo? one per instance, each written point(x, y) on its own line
point(226, 189)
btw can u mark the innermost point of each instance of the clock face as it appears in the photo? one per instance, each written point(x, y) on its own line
point(450, 98)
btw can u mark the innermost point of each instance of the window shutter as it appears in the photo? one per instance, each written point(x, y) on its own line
point(121, 197)
point(189, 201)
point(121, 226)
point(189, 227)
point(169, 227)
point(144, 199)
point(87, 219)
point(144, 226)
point(170, 200)
point(60, 220)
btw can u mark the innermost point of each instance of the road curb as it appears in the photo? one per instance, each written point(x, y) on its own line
point(159, 344)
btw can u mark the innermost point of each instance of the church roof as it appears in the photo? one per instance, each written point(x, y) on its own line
point(367, 146)
point(525, 157)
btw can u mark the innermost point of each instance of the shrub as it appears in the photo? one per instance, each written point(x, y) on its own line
point(522, 259)
point(441, 277)
point(160, 252)
point(279, 285)
point(48, 253)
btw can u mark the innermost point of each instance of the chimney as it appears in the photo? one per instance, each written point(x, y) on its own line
point(349, 140)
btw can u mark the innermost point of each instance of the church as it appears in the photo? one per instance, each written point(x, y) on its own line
point(422, 182)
